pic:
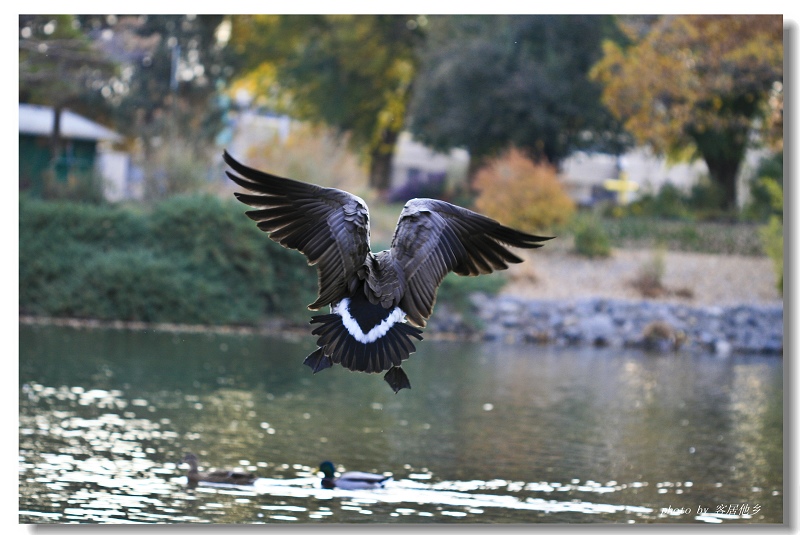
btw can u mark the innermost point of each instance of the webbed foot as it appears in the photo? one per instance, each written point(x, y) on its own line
point(397, 379)
point(318, 361)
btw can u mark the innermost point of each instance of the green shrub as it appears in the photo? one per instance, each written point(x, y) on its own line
point(772, 236)
point(138, 285)
point(668, 203)
point(764, 188)
point(102, 226)
point(58, 237)
point(192, 259)
point(80, 185)
point(591, 238)
point(772, 233)
point(706, 200)
point(45, 266)
point(760, 206)
point(705, 237)
point(456, 290)
point(215, 238)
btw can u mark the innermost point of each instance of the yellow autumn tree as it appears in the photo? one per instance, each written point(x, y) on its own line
point(522, 194)
point(351, 72)
point(699, 83)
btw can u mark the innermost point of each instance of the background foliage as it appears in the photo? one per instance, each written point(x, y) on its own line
point(698, 83)
point(155, 79)
point(769, 190)
point(487, 82)
point(591, 237)
point(352, 72)
point(61, 66)
point(188, 259)
point(548, 85)
point(191, 259)
point(522, 194)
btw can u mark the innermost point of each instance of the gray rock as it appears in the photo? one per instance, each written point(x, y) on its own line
point(723, 330)
point(598, 329)
point(722, 348)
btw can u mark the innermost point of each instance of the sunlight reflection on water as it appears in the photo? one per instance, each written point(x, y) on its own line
point(131, 488)
point(107, 451)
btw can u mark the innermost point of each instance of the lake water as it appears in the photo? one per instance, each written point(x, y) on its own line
point(488, 433)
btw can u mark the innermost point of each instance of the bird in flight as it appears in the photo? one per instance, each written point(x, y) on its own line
point(378, 301)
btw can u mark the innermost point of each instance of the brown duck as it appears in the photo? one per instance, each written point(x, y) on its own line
point(378, 302)
point(217, 476)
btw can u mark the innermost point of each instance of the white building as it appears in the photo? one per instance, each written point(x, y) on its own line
point(86, 142)
point(584, 174)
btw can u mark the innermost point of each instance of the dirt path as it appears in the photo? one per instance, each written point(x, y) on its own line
point(702, 279)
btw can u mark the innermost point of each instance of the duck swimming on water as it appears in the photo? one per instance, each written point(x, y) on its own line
point(217, 476)
point(350, 480)
point(378, 302)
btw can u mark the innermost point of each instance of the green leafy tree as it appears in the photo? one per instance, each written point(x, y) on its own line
point(351, 72)
point(59, 66)
point(698, 83)
point(487, 82)
point(760, 206)
point(167, 96)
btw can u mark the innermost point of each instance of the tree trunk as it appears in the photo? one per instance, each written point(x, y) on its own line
point(380, 163)
point(723, 152)
point(725, 172)
point(476, 163)
point(380, 171)
point(58, 160)
point(55, 135)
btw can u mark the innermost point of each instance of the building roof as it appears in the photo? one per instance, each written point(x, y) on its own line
point(38, 121)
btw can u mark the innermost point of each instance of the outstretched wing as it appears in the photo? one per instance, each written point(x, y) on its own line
point(329, 226)
point(434, 237)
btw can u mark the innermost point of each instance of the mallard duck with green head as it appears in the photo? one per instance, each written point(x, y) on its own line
point(350, 480)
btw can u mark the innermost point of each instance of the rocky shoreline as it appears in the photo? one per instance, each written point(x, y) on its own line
point(595, 321)
point(746, 328)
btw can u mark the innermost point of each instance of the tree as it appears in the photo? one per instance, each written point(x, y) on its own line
point(698, 83)
point(174, 67)
point(352, 72)
point(166, 97)
point(59, 66)
point(487, 82)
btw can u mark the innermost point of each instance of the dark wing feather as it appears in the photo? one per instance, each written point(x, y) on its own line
point(329, 226)
point(434, 237)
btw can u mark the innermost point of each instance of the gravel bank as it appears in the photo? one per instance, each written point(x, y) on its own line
point(712, 280)
point(724, 304)
point(648, 325)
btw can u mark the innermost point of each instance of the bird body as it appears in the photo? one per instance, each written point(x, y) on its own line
point(217, 476)
point(379, 301)
point(351, 480)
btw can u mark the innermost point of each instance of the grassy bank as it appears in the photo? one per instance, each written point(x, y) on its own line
point(190, 259)
point(689, 236)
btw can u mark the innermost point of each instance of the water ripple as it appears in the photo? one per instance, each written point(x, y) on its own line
point(100, 436)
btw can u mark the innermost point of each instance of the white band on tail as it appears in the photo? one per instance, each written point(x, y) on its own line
point(376, 332)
